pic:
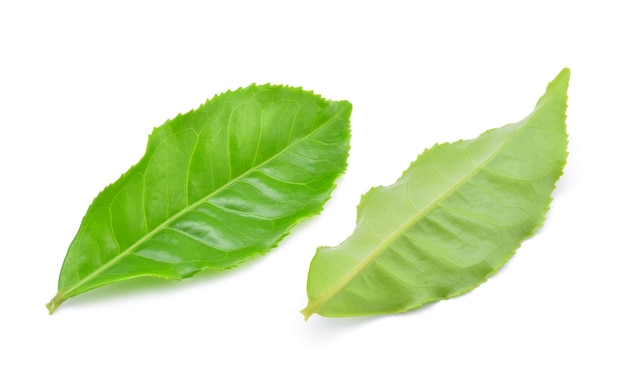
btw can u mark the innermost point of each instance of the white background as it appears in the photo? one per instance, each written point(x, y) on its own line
point(82, 85)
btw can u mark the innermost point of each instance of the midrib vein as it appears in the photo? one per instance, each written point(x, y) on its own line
point(316, 303)
point(67, 293)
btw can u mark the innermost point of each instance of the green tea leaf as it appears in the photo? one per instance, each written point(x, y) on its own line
point(455, 216)
point(217, 186)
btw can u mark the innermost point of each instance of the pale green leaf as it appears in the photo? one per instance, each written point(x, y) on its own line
point(455, 216)
point(218, 185)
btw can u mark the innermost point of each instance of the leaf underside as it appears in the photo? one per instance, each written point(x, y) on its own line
point(454, 217)
point(216, 186)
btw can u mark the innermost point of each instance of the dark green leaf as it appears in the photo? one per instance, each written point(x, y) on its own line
point(218, 185)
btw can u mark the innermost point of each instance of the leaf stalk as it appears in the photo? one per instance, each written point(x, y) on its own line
point(55, 302)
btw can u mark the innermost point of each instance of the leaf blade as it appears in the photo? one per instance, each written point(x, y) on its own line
point(446, 225)
point(218, 185)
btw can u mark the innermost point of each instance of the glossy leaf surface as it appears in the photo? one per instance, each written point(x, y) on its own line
point(218, 185)
point(455, 216)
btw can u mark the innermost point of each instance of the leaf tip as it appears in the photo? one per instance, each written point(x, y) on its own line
point(561, 81)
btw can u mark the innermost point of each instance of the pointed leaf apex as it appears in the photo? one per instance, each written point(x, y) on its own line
point(561, 81)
